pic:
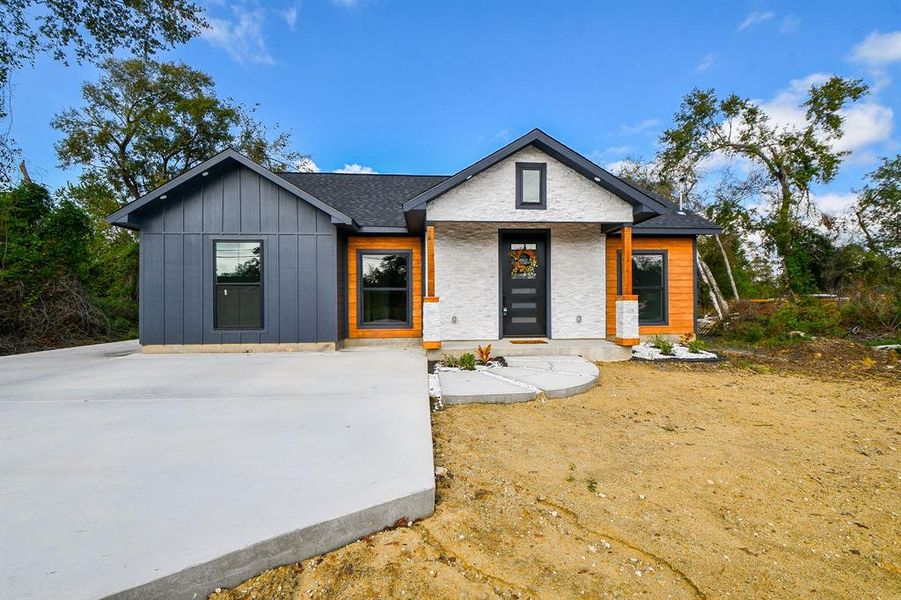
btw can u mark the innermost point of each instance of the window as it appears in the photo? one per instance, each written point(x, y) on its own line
point(384, 289)
point(648, 283)
point(531, 185)
point(239, 285)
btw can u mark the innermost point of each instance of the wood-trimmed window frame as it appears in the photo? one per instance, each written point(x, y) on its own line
point(636, 289)
point(408, 324)
point(542, 185)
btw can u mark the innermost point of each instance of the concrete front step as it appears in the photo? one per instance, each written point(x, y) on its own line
point(520, 381)
point(467, 387)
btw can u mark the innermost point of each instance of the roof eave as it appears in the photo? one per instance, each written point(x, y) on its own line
point(121, 217)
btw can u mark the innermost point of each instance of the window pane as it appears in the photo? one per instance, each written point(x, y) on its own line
point(239, 307)
point(384, 270)
point(382, 306)
point(531, 186)
point(650, 305)
point(647, 270)
point(238, 262)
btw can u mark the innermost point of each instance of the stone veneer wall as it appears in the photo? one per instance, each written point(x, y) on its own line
point(466, 279)
point(490, 196)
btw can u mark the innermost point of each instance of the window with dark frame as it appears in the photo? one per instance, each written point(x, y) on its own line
point(648, 283)
point(384, 286)
point(239, 284)
point(531, 185)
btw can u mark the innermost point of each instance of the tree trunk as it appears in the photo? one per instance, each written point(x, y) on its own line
point(703, 274)
point(714, 287)
point(25, 176)
point(728, 268)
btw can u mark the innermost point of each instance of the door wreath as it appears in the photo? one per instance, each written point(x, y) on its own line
point(525, 263)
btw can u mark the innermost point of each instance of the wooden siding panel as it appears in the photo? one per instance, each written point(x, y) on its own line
point(680, 282)
point(405, 243)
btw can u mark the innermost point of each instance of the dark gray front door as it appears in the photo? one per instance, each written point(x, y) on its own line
point(524, 280)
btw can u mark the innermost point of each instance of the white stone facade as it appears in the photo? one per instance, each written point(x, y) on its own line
point(627, 319)
point(467, 279)
point(431, 322)
point(490, 196)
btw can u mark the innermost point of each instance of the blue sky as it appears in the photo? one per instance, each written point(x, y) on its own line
point(428, 87)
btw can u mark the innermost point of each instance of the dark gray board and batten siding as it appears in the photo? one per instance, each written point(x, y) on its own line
point(176, 262)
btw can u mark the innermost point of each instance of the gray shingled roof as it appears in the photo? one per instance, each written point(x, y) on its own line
point(377, 200)
point(372, 200)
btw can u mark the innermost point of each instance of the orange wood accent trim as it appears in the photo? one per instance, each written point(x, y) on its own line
point(627, 261)
point(629, 297)
point(431, 299)
point(431, 345)
point(628, 341)
point(430, 260)
point(411, 244)
point(680, 268)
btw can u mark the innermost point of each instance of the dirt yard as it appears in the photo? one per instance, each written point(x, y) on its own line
point(738, 480)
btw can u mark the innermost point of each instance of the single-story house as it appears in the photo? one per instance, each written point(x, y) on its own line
point(533, 240)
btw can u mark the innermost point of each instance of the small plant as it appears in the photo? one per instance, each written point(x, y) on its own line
point(484, 354)
point(450, 360)
point(664, 345)
point(592, 485)
point(468, 362)
point(696, 346)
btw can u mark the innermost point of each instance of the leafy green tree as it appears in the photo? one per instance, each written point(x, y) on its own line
point(791, 158)
point(878, 210)
point(85, 31)
point(145, 122)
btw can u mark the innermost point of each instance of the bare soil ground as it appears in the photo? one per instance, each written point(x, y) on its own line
point(756, 478)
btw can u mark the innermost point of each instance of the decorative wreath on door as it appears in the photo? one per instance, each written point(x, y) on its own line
point(525, 262)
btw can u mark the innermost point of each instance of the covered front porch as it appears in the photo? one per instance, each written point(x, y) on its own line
point(477, 293)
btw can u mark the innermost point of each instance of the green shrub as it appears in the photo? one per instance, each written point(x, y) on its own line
point(450, 360)
point(664, 345)
point(696, 346)
point(468, 362)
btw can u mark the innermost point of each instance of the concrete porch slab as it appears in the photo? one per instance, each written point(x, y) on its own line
point(595, 350)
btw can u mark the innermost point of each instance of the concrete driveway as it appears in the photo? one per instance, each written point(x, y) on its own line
point(169, 475)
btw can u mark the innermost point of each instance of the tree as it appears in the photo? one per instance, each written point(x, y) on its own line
point(145, 122)
point(85, 31)
point(792, 157)
point(878, 209)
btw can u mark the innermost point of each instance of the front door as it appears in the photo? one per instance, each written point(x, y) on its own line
point(524, 284)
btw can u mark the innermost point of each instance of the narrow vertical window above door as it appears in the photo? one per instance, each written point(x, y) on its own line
point(238, 285)
point(531, 185)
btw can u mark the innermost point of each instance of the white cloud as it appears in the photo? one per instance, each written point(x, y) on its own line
point(347, 3)
point(628, 128)
point(306, 165)
point(501, 136)
point(789, 24)
point(241, 37)
point(834, 203)
point(617, 165)
point(706, 62)
point(754, 18)
point(878, 49)
point(356, 168)
point(865, 123)
point(290, 16)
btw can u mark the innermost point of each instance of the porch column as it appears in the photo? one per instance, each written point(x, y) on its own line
point(431, 314)
point(627, 302)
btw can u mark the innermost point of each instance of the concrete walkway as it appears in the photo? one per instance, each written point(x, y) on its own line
point(523, 379)
point(165, 476)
